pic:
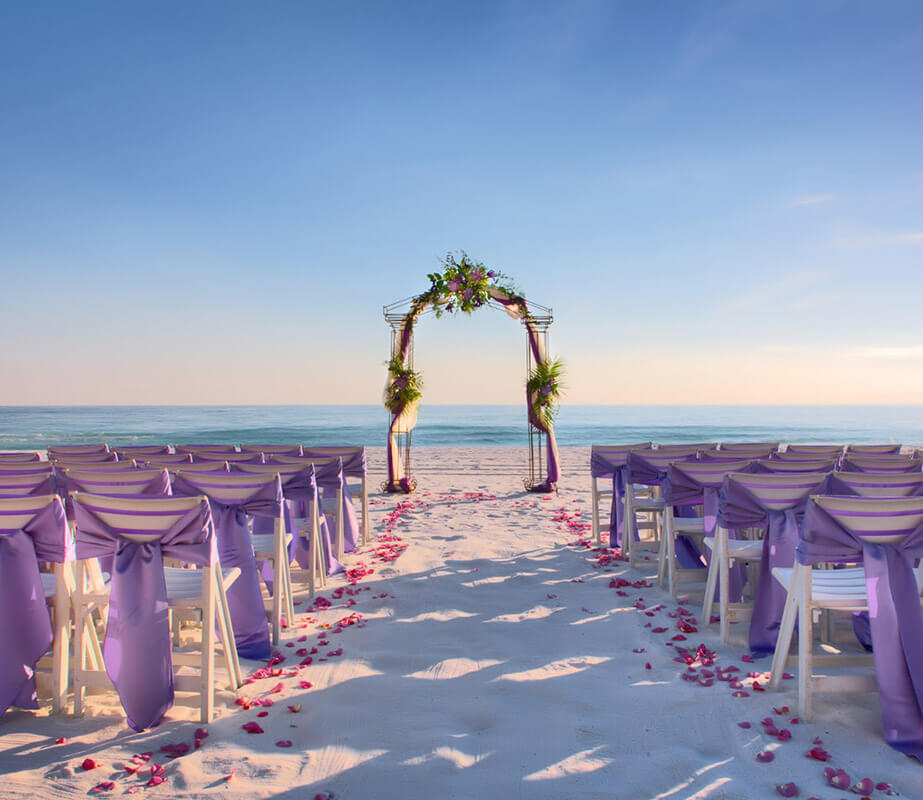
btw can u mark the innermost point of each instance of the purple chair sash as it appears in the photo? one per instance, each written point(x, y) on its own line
point(138, 651)
point(235, 549)
point(852, 485)
point(25, 627)
point(739, 508)
point(895, 616)
point(42, 483)
point(332, 476)
point(354, 465)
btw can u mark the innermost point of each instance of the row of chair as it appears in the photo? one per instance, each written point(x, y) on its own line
point(282, 509)
point(834, 507)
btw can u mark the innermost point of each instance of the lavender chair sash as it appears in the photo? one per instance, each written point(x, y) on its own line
point(332, 476)
point(301, 498)
point(895, 615)
point(25, 627)
point(235, 549)
point(138, 651)
point(605, 462)
point(354, 463)
point(739, 508)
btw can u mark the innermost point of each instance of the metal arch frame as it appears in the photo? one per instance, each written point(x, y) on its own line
point(541, 318)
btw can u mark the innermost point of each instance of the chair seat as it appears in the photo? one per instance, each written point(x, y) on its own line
point(832, 588)
point(186, 584)
point(688, 525)
point(264, 544)
point(741, 549)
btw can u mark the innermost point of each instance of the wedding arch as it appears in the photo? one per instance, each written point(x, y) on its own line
point(466, 285)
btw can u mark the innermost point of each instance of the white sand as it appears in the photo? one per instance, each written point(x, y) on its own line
point(499, 664)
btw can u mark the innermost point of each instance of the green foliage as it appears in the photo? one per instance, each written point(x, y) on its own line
point(544, 389)
point(404, 388)
point(463, 285)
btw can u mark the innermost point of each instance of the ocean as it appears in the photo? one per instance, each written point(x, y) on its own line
point(37, 427)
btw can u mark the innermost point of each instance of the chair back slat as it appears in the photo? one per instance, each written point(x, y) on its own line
point(684, 449)
point(205, 448)
point(778, 492)
point(18, 457)
point(26, 468)
point(19, 485)
point(146, 450)
point(817, 450)
point(17, 512)
point(887, 520)
point(285, 470)
point(83, 458)
point(166, 459)
point(881, 464)
point(203, 466)
point(270, 449)
point(243, 458)
point(869, 449)
point(78, 449)
point(303, 460)
point(792, 467)
point(96, 466)
point(877, 484)
point(228, 488)
point(137, 518)
point(709, 473)
point(113, 483)
point(754, 449)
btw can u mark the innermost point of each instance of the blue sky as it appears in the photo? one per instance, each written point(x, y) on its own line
point(211, 202)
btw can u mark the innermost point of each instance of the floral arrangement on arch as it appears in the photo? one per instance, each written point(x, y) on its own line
point(462, 285)
point(404, 388)
point(544, 389)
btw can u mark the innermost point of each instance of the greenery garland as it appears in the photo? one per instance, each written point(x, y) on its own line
point(544, 390)
point(404, 387)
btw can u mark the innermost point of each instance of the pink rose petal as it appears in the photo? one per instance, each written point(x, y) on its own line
point(765, 757)
point(252, 727)
point(787, 790)
point(284, 743)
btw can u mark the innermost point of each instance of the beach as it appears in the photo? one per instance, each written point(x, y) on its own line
point(479, 646)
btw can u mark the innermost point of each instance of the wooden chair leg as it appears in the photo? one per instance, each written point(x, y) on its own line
point(805, 645)
point(207, 675)
point(227, 634)
point(786, 630)
point(724, 582)
point(711, 583)
point(594, 499)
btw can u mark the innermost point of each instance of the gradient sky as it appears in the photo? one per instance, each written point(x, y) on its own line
point(211, 202)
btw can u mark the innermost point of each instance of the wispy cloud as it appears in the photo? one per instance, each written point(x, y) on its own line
point(812, 199)
point(817, 300)
point(773, 292)
point(879, 240)
point(889, 353)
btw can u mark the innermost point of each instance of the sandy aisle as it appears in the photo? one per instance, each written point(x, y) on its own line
point(491, 659)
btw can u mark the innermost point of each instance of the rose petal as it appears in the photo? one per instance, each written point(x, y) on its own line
point(284, 743)
point(765, 757)
point(787, 790)
point(252, 727)
point(88, 764)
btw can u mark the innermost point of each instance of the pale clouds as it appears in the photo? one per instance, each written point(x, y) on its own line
point(880, 240)
point(786, 290)
point(812, 199)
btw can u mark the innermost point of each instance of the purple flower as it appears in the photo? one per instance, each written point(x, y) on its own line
point(546, 389)
point(468, 294)
point(448, 307)
point(491, 274)
point(476, 275)
point(454, 285)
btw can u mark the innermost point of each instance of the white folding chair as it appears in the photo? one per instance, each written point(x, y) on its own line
point(782, 465)
point(647, 468)
point(354, 468)
point(76, 450)
point(295, 487)
point(18, 456)
point(689, 478)
point(816, 450)
point(883, 520)
point(235, 488)
point(604, 461)
point(200, 591)
point(35, 483)
point(771, 492)
point(876, 484)
point(871, 449)
point(881, 463)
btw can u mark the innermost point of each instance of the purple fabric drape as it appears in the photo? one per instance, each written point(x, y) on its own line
point(895, 615)
point(606, 463)
point(106, 483)
point(354, 462)
point(138, 651)
point(25, 627)
point(330, 477)
point(235, 549)
point(738, 507)
point(862, 485)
